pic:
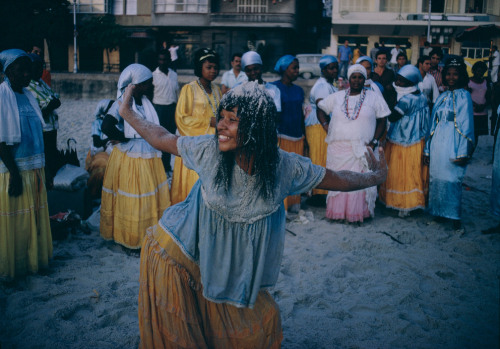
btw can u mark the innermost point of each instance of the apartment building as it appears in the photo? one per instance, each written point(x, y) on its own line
point(272, 27)
point(402, 21)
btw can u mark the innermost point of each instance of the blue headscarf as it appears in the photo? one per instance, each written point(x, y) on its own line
point(364, 58)
point(283, 63)
point(250, 58)
point(411, 73)
point(7, 57)
point(325, 60)
point(133, 74)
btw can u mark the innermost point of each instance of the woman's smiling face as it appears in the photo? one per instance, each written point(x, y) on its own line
point(227, 130)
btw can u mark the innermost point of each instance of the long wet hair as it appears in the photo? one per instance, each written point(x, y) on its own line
point(257, 137)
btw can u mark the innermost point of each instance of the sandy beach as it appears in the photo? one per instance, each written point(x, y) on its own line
point(388, 283)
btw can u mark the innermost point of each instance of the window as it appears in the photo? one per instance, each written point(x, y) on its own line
point(493, 7)
point(131, 7)
point(118, 7)
point(91, 6)
point(403, 6)
point(252, 6)
point(356, 5)
point(438, 6)
point(473, 52)
point(192, 6)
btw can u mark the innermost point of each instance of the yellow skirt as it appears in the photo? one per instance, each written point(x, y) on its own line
point(315, 136)
point(183, 180)
point(134, 195)
point(96, 167)
point(291, 147)
point(25, 237)
point(174, 314)
point(407, 179)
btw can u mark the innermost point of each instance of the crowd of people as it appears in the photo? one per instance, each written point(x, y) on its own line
point(212, 240)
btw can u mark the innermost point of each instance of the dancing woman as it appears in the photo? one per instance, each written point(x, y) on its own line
point(205, 266)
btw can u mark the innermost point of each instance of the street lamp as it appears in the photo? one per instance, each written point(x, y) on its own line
point(75, 58)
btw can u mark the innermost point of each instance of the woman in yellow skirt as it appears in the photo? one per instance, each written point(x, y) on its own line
point(406, 187)
point(195, 115)
point(25, 237)
point(135, 188)
point(206, 265)
point(291, 128)
point(315, 132)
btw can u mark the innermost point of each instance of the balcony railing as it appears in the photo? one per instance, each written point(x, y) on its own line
point(236, 17)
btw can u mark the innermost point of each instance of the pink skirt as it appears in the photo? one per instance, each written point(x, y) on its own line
point(352, 206)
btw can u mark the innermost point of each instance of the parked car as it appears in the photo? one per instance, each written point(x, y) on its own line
point(309, 65)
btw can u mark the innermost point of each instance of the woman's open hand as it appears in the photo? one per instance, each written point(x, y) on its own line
point(379, 167)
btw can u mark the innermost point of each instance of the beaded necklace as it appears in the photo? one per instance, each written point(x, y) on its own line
point(216, 102)
point(357, 107)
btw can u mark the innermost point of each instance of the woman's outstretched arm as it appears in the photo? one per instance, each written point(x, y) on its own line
point(350, 181)
point(155, 135)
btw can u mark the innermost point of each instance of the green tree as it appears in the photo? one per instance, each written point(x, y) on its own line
point(102, 32)
point(28, 22)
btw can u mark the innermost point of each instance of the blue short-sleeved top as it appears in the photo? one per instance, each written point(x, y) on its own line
point(236, 237)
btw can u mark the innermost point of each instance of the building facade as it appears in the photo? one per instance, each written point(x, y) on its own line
point(402, 21)
point(271, 27)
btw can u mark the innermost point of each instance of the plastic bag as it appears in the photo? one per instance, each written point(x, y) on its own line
point(70, 178)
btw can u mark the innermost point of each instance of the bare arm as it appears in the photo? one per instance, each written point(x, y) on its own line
point(154, 134)
point(323, 119)
point(350, 181)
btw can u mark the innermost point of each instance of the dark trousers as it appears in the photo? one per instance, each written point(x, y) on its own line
point(50, 150)
point(166, 115)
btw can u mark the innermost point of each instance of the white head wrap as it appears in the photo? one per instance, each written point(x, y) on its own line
point(249, 58)
point(133, 74)
point(356, 68)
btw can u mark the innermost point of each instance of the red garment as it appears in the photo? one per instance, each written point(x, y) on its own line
point(46, 77)
point(436, 73)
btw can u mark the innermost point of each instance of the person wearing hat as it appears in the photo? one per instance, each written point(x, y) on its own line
point(450, 144)
point(358, 120)
point(251, 63)
point(406, 187)
point(26, 239)
point(291, 128)
point(195, 115)
point(367, 62)
point(315, 133)
point(48, 101)
point(135, 187)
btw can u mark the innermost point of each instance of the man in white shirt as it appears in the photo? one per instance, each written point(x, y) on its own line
point(394, 56)
point(428, 84)
point(234, 75)
point(495, 63)
point(173, 56)
point(166, 93)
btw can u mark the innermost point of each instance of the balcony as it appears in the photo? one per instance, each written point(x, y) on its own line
point(284, 20)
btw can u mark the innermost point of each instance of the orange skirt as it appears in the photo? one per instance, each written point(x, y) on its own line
point(174, 314)
point(291, 147)
point(315, 136)
point(407, 181)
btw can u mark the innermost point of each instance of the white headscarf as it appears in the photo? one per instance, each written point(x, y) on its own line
point(10, 125)
point(356, 68)
point(135, 74)
point(249, 58)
